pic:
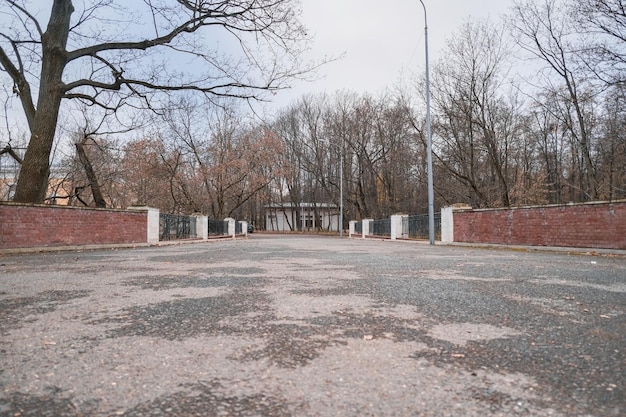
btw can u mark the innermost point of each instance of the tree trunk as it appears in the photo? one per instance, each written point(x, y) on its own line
point(98, 198)
point(32, 183)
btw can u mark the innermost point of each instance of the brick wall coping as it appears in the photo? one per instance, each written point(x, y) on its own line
point(59, 206)
point(546, 206)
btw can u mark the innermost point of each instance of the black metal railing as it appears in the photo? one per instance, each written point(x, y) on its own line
point(218, 227)
point(416, 226)
point(380, 227)
point(358, 228)
point(238, 228)
point(176, 226)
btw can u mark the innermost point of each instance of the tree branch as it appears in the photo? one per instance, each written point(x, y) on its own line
point(189, 26)
point(22, 87)
point(27, 14)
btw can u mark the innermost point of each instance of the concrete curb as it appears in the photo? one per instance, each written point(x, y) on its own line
point(78, 248)
point(548, 249)
point(519, 248)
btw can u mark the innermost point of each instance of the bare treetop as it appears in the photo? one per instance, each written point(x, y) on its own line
point(109, 54)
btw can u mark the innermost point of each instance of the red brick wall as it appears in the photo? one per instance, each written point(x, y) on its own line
point(591, 225)
point(24, 226)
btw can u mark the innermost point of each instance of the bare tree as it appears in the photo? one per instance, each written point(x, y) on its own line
point(91, 175)
point(552, 150)
point(292, 187)
point(544, 30)
point(370, 139)
point(476, 115)
point(89, 171)
point(145, 180)
point(210, 160)
point(110, 55)
point(603, 28)
point(611, 165)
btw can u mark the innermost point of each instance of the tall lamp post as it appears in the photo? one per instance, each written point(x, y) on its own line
point(341, 191)
point(429, 145)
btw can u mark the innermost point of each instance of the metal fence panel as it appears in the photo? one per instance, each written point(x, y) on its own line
point(193, 232)
point(358, 228)
point(175, 226)
point(238, 228)
point(416, 227)
point(380, 227)
point(405, 226)
point(218, 227)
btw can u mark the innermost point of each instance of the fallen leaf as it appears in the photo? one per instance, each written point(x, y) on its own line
point(458, 355)
point(604, 316)
point(368, 337)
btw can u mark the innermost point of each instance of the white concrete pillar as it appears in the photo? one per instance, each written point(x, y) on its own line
point(202, 226)
point(447, 224)
point(366, 227)
point(447, 221)
point(231, 226)
point(396, 226)
point(351, 228)
point(153, 225)
point(152, 235)
point(244, 228)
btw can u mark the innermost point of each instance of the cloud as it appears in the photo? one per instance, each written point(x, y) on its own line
point(380, 44)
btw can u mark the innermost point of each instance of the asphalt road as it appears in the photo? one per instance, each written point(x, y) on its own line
point(312, 326)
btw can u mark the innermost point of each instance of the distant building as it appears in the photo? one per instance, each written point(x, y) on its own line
point(9, 172)
point(304, 216)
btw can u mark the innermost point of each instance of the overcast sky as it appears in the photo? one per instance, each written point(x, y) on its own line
point(382, 41)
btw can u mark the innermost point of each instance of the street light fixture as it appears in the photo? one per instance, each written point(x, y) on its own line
point(429, 145)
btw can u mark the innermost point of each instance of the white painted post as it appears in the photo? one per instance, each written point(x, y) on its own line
point(447, 224)
point(351, 228)
point(447, 221)
point(153, 225)
point(231, 226)
point(366, 227)
point(152, 235)
point(202, 226)
point(396, 226)
point(244, 228)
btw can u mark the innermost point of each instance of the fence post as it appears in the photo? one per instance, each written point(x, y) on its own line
point(447, 224)
point(244, 228)
point(153, 222)
point(366, 227)
point(202, 226)
point(447, 221)
point(231, 226)
point(153, 225)
point(396, 226)
point(351, 228)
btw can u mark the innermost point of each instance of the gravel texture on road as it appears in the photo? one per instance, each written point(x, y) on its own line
point(312, 326)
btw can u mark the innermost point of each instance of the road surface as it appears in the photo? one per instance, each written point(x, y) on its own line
point(312, 326)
